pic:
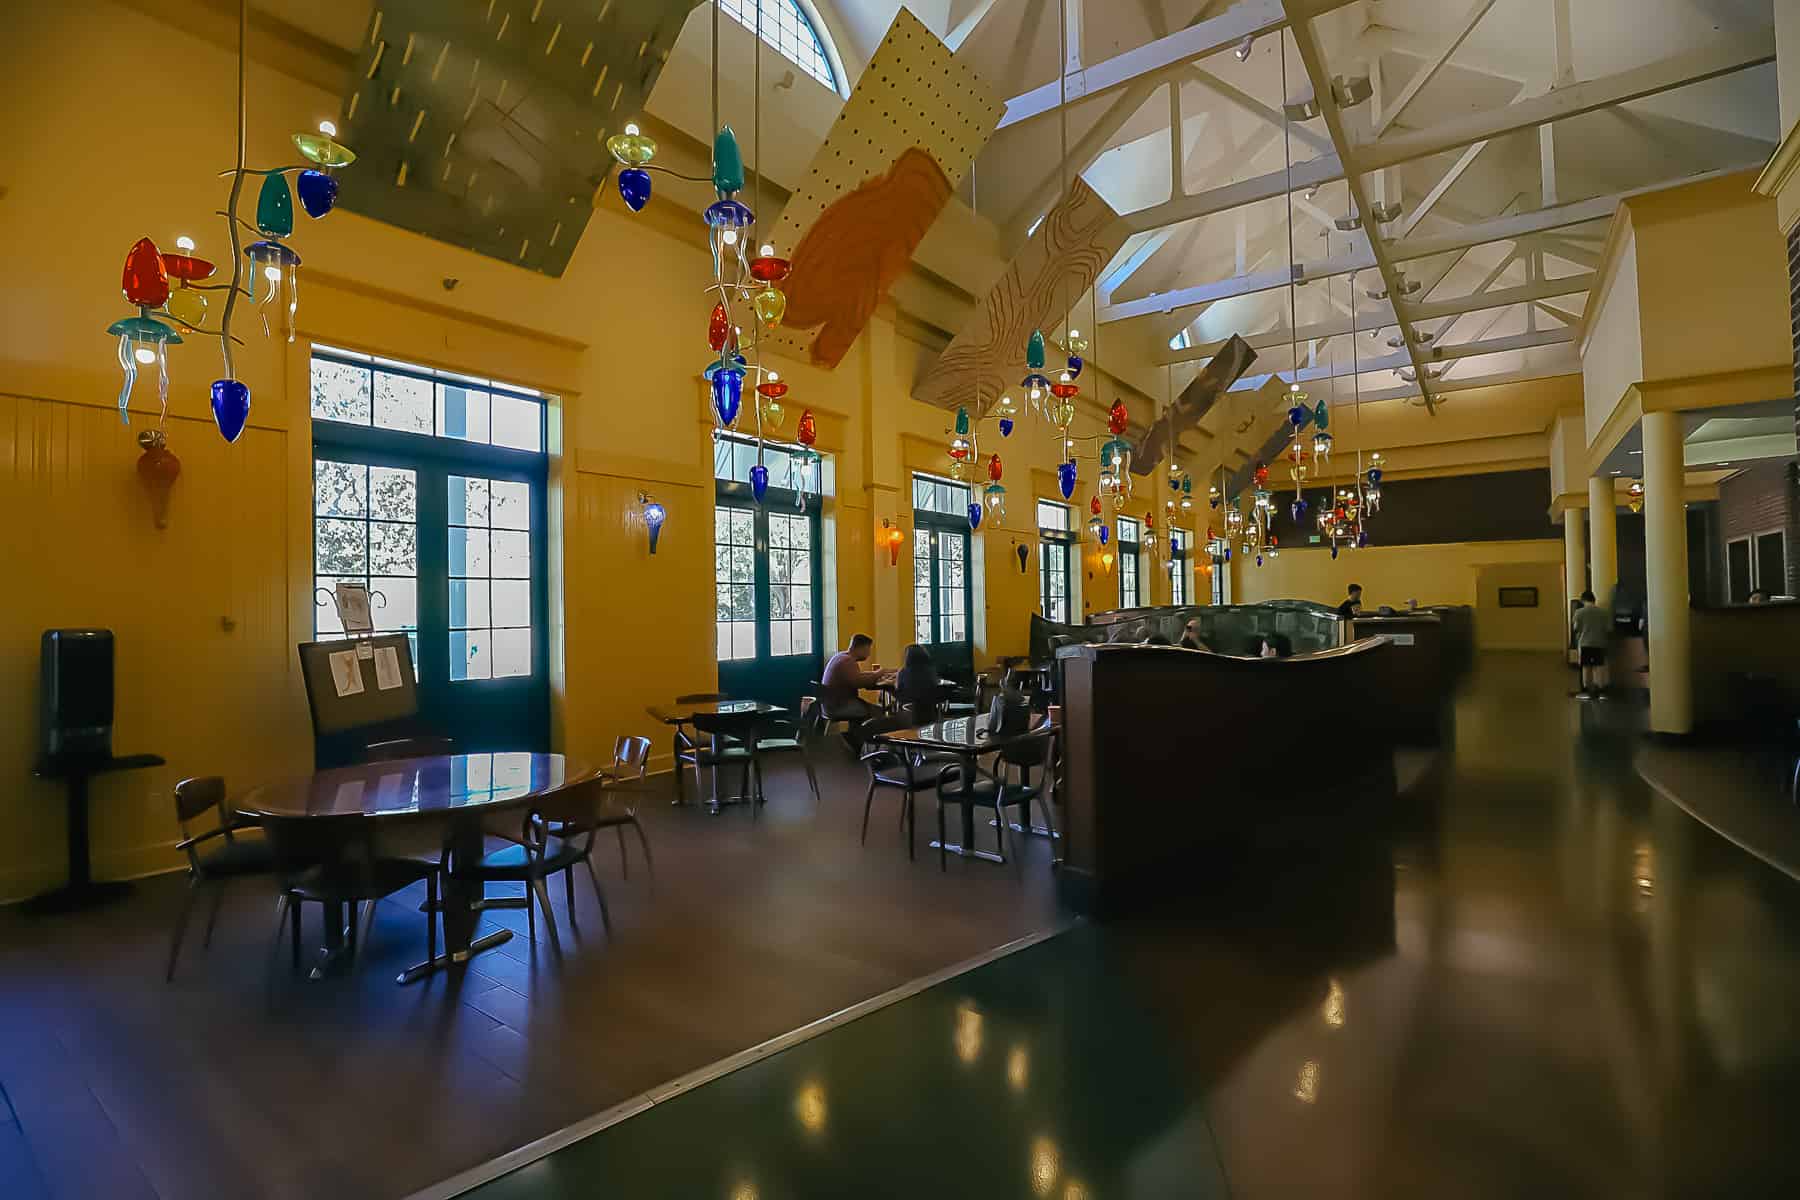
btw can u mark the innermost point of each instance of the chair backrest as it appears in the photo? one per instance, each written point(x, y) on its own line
point(424, 746)
point(198, 795)
point(631, 757)
point(580, 802)
point(702, 698)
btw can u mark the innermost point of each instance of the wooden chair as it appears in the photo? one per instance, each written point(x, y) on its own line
point(535, 852)
point(423, 746)
point(216, 866)
point(624, 783)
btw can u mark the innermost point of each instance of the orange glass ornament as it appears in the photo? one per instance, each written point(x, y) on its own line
point(718, 330)
point(1117, 419)
point(158, 468)
point(994, 468)
point(774, 389)
point(808, 431)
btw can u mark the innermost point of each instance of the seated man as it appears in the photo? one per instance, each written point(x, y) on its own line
point(845, 676)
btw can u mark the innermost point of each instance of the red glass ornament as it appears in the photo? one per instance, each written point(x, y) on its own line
point(959, 452)
point(1062, 391)
point(994, 468)
point(1261, 474)
point(146, 280)
point(187, 268)
point(1149, 520)
point(769, 269)
point(1094, 506)
point(773, 390)
point(1118, 420)
point(718, 330)
point(808, 431)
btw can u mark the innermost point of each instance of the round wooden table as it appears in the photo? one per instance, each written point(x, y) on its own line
point(452, 791)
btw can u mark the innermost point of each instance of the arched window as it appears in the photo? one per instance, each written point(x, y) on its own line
point(789, 30)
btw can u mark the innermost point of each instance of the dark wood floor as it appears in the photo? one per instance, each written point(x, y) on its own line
point(235, 1081)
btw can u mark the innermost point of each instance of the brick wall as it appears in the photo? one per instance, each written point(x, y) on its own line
point(1760, 499)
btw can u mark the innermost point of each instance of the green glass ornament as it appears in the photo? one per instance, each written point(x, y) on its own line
point(728, 163)
point(275, 207)
point(1034, 351)
point(1321, 416)
point(962, 421)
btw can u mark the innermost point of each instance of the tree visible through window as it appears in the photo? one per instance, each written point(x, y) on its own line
point(787, 29)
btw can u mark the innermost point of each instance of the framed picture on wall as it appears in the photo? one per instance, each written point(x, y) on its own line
point(1518, 597)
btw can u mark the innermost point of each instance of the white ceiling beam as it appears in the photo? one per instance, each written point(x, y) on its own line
point(1249, 18)
point(1319, 72)
point(1568, 363)
point(1393, 362)
point(1322, 170)
point(1082, 155)
point(1525, 293)
point(1434, 64)
point(1271, 339)
point(1443, 185)
point(964, 29)
point(1722, 56)
point(1561, 314)
point(1251, 104)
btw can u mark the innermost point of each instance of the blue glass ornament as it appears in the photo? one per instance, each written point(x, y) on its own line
point(1298, 508)
point(729, 214)
point(1105, 534)
point(728, 394)
point(634, 186)
point(1006, 426)
point(1075, 365)
point(974, 517)
point(1035, 380)
point(318, 192)
point(1375, 475)
point(759, 482)
point(231, 407)
point(1034, 351)
point(1334, 550)
point(1259, 560)
point(713, 368)
point(1065, 478)
point(1362, 539)
point(1297, 416)
point(1228, 554)
point(1024, 554)
point(728, 163)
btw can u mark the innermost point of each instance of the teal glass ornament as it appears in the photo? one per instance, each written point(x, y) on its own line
point(275, 207)
point(962, 421)
point(1321, 416)
point(728, 163)
point(1034, 351)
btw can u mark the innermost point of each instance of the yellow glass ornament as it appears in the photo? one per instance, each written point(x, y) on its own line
point(770, 305)
point(319, 149)
point(772, 414)
point(187, 306)
point(631, 148)
point(1061, 412)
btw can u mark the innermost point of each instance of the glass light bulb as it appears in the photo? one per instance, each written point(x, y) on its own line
point(145, 354)
point(272, 274)
point(729, 237)
point(184, 243)
point(631, 129)
point(1293, 387)
point(774, 376)
point(328, 128)
point(768, 251)
point(1074, 333)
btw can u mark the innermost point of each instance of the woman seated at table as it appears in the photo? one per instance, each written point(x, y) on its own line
point(917, 688)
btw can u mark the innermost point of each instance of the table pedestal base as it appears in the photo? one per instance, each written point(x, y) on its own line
point(456, 958)
point(961, 851)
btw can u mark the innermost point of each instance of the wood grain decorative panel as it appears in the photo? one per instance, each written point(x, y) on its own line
point(1057, 264)
point(901, 145)
point(1196, 400)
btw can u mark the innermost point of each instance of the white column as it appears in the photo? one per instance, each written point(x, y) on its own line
point(1603, 539)
point(1575, 554)
point(1666, 574)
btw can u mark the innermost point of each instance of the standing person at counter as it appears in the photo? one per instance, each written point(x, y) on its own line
point(1593, 631)
point(1351, 608)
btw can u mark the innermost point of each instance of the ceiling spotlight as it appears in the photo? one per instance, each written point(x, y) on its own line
point(1349, 92)
point(1376, 293)
point(1312, 193)
point(1243, 48)
point(1348, 224)
point(1409, 287)
point(1385, 212)
point(1301, 110)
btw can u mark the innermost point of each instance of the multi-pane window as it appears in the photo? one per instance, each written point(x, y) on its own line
point(1131, 593)
point(941, 580)
point(379, 393)
point(787, 29)
point(365, 530)
point(734, 581)
point(490, 569)
point(734, 456)
point(790, 584)
point(1054, 550)
point(1178, 567)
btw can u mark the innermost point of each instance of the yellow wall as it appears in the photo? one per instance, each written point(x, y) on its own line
point(207, 612)
point(1456, 573)
point(1612, 352)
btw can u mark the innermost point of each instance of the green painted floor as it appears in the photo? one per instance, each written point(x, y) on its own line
point(1035, 1075)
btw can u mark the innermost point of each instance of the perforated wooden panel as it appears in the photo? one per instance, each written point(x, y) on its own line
point(902, 143)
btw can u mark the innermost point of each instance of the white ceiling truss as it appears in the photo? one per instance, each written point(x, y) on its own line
point(1470, 126)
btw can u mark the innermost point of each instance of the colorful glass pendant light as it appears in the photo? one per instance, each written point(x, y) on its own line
point(230, 407)
point(1065, 478)
point(759, 482)
point(1076, 343)
point(727, 392)
point(974, 518)
point(186, 303)
point(633, 151)
point(1118, 419)
point(275, 207)
point(143, 339)
point(807, 432)
point(157, 469)
point(1035, 352)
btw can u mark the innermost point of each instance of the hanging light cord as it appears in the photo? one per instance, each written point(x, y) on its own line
point(237, 188)
point(1287, 156)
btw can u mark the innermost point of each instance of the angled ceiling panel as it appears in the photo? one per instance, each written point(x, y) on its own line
point(483, 123)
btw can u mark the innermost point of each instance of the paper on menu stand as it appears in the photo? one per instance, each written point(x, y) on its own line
point(387, 668)
point(346, 673)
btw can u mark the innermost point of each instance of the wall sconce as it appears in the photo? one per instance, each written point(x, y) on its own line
point(654, 516)
point(892, 536)
point(1106, 560)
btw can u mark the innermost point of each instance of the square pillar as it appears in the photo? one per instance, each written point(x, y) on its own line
point(1666, 573)
point(1603, 539)
point(1575, 552)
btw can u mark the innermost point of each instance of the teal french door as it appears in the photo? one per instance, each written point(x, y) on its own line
point(768, 581)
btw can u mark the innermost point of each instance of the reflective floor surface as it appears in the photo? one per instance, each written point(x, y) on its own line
point(1541, 981)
